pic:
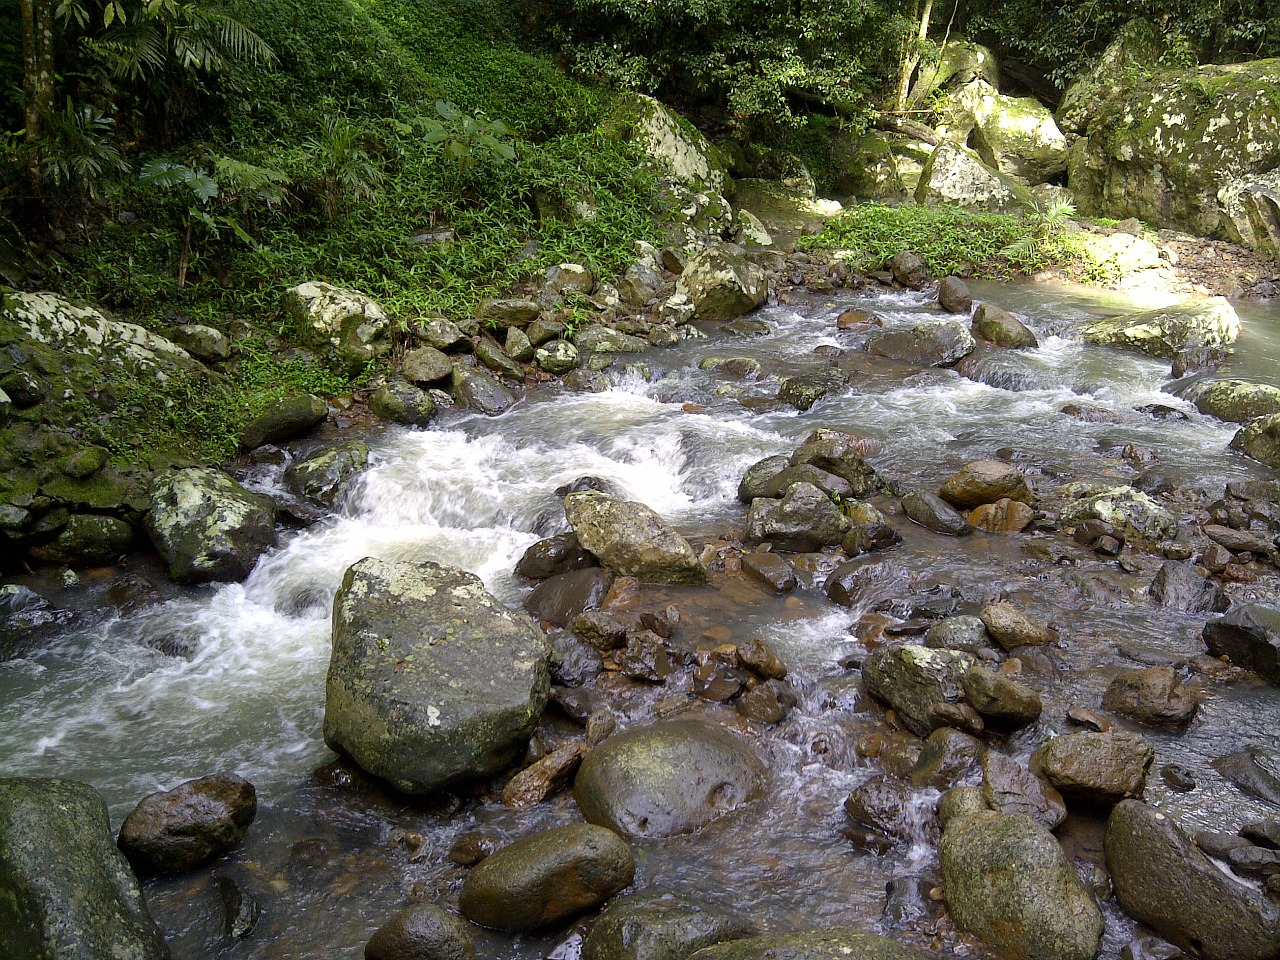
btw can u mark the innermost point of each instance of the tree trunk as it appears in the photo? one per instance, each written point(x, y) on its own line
point(37, 75)
point(909, 58)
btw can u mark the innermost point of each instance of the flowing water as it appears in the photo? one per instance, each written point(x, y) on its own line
point(331, 856)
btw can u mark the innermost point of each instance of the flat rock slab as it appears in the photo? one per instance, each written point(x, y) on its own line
point(1165, 331)
point(431, 679)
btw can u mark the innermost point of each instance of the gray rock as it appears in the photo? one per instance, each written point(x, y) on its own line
point(999, 326)
point(1135, 514)
point(1153, 695)
point(495, 358)
point(68, 892)
point(841, 454)
point(283, 420)
point(909, 269)
point(518, 346)
point(934, 513)
point(847, 943)
point(911, 679)
point(1237, 401)
point(431, 680)
point(669, 778)
point(1254, 771)
point(956, 176)
point(770, 569)
point(1163, 880)
point(804, 519)
point(884, 804)
point(959, 633)
point(803, 391)
point(1179, 586)
point(1166, 330)
point(479, 390)
point(1260, 440)
point(206, 526)
point(600, 339)
point(351, 325)
point(1000, 699)
point(1009, 787)
point(660, 926)
point(440, 333)
point(1006, 880)
point(1249, 637)
point(935, 343)
point(195, 822)
point(568, 278)
point(399, 401)
point(950, 758)
point(557, 357)
point(953, 295)
point(721, 285)
point(421, 932)
point(632, 540)
point(87, 539)
point(759, 477)
point(202, 342)
point(985, 481)
point(1096, 768)
point(325, 476)
point(561, 598)
point(425, 365)
point(547, 877)
point(559, 554)
point(510, 312)
point(543, 330)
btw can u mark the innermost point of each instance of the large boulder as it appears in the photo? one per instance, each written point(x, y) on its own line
point(400, 401)
point(660, 926)
point(283, 420)
point(1136, 49)
point(876, 165)
point(631, 540)
point(912, 679)
point(547, 877)
point(722, 285)
point(68, 892)
point(197, 821)
point(1260, 440)
point(1097, 768)
point(669, 778)
point(1237, 401)
point(1166, 330)
point(431, 679)
point(1160, 146)
point(959, 62)
point(351, 325)
point(1015, 135)
point(840, 454)
point(804, 519)
point(1249, 636)
point(935, 343)
point(1006, 879)
point(846, 943)
point(1133, 512)
point(999, 326)
point(1152, 695)
point(1162, 879)
point(955, 175)
point(1251, 211)
point(676, 147)
point(206, 526)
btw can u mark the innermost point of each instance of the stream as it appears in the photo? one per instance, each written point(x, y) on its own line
point(331, 856)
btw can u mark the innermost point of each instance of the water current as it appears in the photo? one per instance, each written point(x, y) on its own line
point(330, 857)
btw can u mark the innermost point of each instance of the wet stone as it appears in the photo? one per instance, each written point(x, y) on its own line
point(1263, 833)
point(554, 555)
point(1011, 628)
point(1249, 637)
point(953, 295)
point(950, 758)
point(965, 633)
point(1177, 586)
point(717, 682)
point(1000, 699)
point(770, 569)
point(560, 599)
point(933, 513)
point(544, 777)
point(661, 926)
point(1152, 695)
point(1177, 777)
point(1003, 516)
point(1254, 771)
point(1095, 768)
point(182, 828)
point(768, 702)
point(1008, 787)
point(885, 804)
point(421, 932)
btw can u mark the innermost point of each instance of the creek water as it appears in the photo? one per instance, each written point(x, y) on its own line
point(331, 856)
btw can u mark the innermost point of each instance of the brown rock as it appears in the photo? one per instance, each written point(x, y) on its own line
point(1003, 516)
point(1008, 787)
point(1011, 628)
point(985, 481)
point(768, 702)
point(544, 777)
point(189, 825)
point(1154, 695)
point(757, 657)
point(1102, 768)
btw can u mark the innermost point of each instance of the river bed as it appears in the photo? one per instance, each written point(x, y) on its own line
point(331, 856)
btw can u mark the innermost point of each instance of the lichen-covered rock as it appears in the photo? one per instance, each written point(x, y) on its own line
point(935, 343)
point(841, 454)
point(479, 390)
point(351, 324)
point(568, 278)
point(431, 679)
point(1251, 211)
point(197, 821)
point(956, 175)
point(324, 477)
point(1015, 135)
point(1135, 51)
point(846, 943)
point(556, 356)
point(660, 926)
point(283, 420)
point(399, 401)
point(426, 365)
point(999, 326)
point(632, 540)
point(1159, 146)
point(87, 538)
point(912, 679)
point(208, 527)
point(202, 342)
point(1166, 330)
point(675, 145)
point(804, 519)
point(1237, 401)
point(597, 338)
point(878, 166)
point(496, 359)
point(669, 778)
point(958, 63)
point(1006, 879)
point(1132, 512)
point(1162, 879)
point(546, 877)
point(68, 892)
point(722, 286)
point(1260, 440)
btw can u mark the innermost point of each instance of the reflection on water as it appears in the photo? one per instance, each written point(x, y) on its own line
point(329, 858)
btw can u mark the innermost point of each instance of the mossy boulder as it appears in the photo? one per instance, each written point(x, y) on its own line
point(1016, 136)
point(547, 877)
point(632, 540)
point(912, 679)
point(325, 476)
point(675, 147)
point(876, 165)
point(1238, 401)
point(847, 943)
point(1260, 440)
point(87, 538)
point(1160, 146)
point(399, 401)
point(68, 892)
point(431, 679)
point(1251, 211)
point(722, 285)
point(284, 419)
point(955, 175)
point(1164, 331)
point(958, 63)
point(1006, 880)
point(208, 527)
point(1136, 51)
point(480, 390)
point(348, 323)
point(661, 926)
point(668, 778)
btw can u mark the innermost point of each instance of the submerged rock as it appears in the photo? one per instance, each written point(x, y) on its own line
point(1179, 586)
point(208, 527)
point(661, 926)
point(547, 877)
point(1163, 880)
point(179, 829)
point(669, 778)
point(1006, 879)
point(68, 892)
point(1254, 771)
point(431, 679)
point(1164, 331)
point(324, 477)
point(1260, 440)
point(632, 540)
point(935, 343)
